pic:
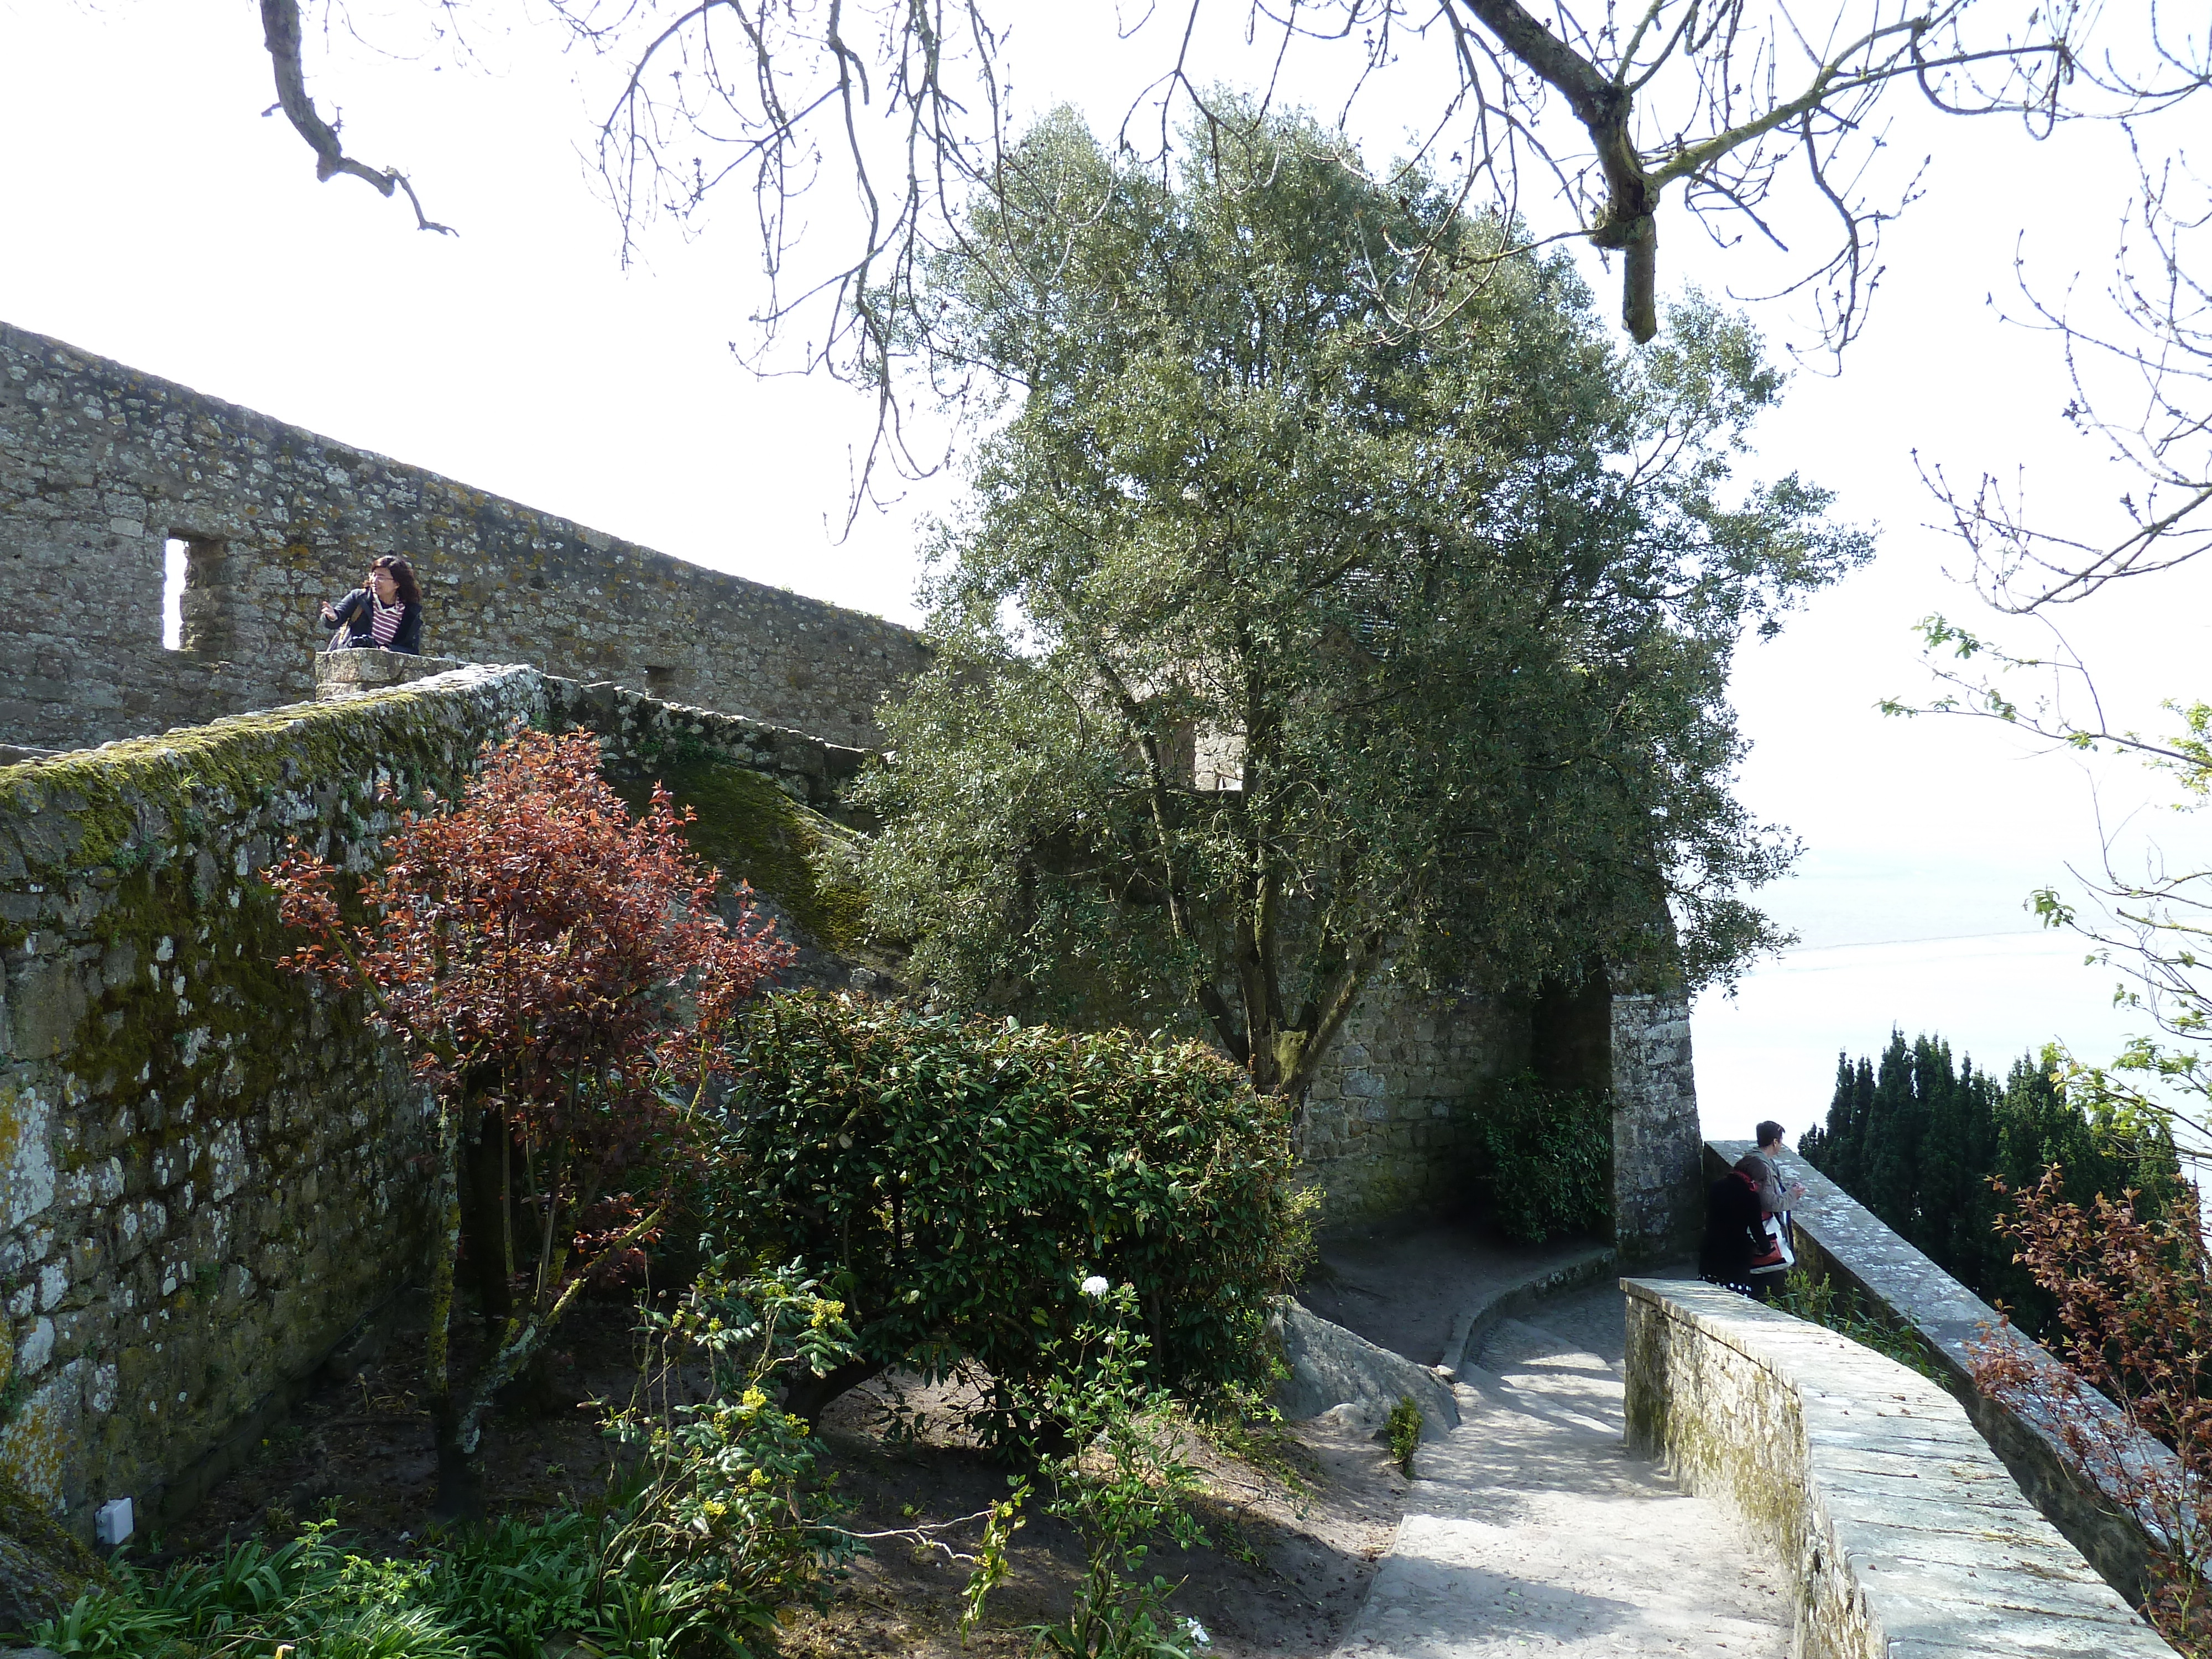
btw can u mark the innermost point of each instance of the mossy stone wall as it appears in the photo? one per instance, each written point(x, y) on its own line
point(210, 1171)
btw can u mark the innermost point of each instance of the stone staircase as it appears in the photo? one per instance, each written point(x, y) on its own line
point(1528, 1527)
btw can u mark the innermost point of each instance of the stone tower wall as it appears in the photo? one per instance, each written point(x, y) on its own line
point(100, 466)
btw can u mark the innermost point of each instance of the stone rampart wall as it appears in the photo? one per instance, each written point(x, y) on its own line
point(1388, 1127)
point(206, 1164)
point(1840, 1238)
point(1903, 1532)
point(100, 465)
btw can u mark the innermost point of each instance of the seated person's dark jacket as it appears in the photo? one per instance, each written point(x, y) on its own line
point(1735, 1230)
point(353, 614)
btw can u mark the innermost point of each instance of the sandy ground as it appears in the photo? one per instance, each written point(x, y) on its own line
point(1297, 1527)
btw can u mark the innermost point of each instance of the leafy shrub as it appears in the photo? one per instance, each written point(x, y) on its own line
point(1543, 1157)
point(722, 1524)
point(1123, 1481)
point(1404, 1430)
point(2133, 1295)
point(957, 1180)
point(518, 946)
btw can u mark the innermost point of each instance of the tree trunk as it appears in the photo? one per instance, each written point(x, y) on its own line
point(484, 1226)
point(807, 1397)
point(461, 1468)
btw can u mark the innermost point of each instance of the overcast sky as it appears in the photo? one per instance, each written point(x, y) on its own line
point(152, 214)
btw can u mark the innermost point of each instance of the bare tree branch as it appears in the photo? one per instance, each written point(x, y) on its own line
point(280, 29)
point(2142, 386)
point(1712, 102)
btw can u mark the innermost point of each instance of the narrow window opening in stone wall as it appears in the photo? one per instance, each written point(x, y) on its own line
point(659, 682)
point(196, 609)
point(175, 553)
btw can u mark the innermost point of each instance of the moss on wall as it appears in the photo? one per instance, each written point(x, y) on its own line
point(752, 831)
point(207, 1172)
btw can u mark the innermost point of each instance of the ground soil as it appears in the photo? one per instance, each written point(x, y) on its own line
point(1297, 1515)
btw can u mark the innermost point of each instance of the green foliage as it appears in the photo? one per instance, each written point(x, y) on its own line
point(1403, 1427)
point(1822, 1302)
point(1543, 1157)
point(1125, 1481)
point(1337, 601)
point(1918, 1140)
point(729, 1488)
point(958, 1180)
point(720, 1525)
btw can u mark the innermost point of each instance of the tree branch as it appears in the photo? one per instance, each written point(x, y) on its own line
point(281, 35)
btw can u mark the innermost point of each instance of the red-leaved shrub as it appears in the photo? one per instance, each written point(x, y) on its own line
point(548, 960)
point(2134, 1340)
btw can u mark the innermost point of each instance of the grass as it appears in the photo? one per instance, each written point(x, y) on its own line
point(1822, 1302)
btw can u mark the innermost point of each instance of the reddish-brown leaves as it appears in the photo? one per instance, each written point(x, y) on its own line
point(539, 949)
point(2135, 1307)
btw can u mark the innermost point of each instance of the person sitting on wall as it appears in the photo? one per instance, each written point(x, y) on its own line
point(1736, 1238)
point(1775, 1196)
point(386, 611)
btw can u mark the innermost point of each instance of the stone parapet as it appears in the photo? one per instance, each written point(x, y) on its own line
point(1838, 1236)
point(350, 673)
point(1904, 1534)
point(101, 466)
point(210, 1168)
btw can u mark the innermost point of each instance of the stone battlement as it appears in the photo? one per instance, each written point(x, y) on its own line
point(1901, 1529)
point(101, 465)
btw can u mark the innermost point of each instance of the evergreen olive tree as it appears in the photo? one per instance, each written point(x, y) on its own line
point(1333, 599)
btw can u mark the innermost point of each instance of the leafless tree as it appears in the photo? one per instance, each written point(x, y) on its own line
point(2142, 382)
point(2139, 367)
point(1577, 117)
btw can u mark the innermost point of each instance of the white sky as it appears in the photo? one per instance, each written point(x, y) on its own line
point(148, 212)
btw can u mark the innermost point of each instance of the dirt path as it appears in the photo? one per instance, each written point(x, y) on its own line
point(1402, 1290)
point(1530, 1526)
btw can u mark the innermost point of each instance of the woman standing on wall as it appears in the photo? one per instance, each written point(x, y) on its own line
point(386, 611)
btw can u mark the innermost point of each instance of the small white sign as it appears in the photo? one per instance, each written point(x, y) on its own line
point(113, 1524)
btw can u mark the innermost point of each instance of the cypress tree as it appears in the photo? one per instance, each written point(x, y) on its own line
point(1918, 1139)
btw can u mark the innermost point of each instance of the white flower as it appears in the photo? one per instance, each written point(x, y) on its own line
point(1195, 1633)
point(1096, 1286)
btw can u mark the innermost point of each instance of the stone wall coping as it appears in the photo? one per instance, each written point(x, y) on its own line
point(1904, 1533)
point(1856, 1247)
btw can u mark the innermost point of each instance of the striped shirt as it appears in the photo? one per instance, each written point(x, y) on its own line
point(384, 620)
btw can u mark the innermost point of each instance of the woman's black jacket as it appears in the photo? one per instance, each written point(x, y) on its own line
point(1735, 1231)
point(354, 612)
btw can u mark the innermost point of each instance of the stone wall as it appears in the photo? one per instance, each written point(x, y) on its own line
point(1388, 1125)
point(100, 466)
point(1838, 1236)
point(1658, 1188)
point(206, 1166)
point(1902, 1531)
